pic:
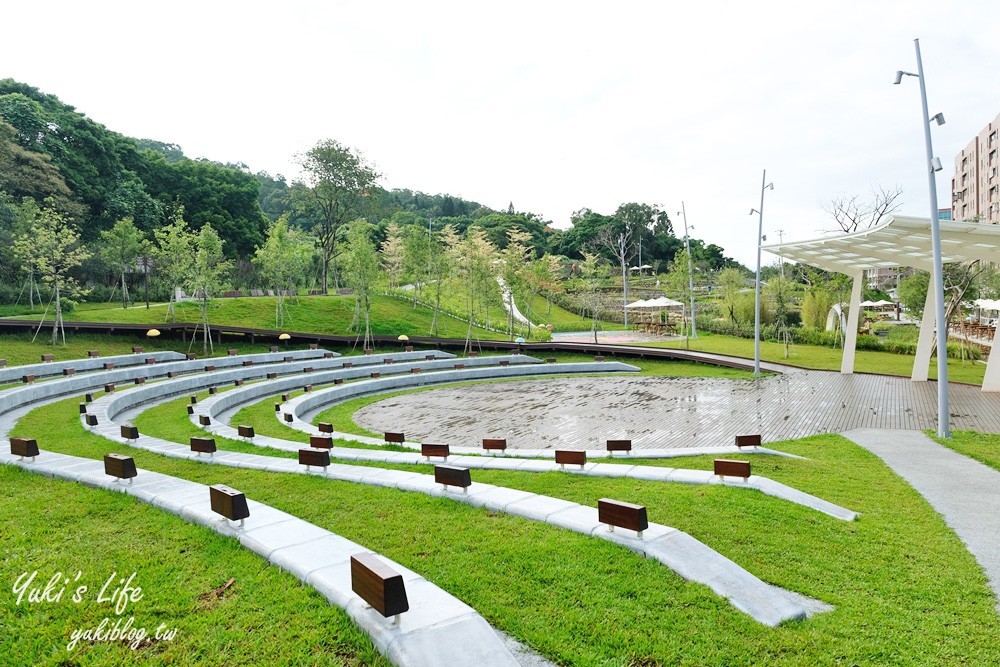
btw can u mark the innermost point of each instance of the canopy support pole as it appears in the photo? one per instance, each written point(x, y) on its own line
point(851, 340)
point(922, 360)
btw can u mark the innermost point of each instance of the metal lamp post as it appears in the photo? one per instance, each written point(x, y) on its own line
point(934, 165)
point(764, 185)
point(687, 246)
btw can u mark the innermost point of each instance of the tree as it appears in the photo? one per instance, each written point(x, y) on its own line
point(512, 262)
point(441, 265)
point(677, 282)
point(120, 246)
point(779, 291)
point(207, 276)
point(473, 258)
point(731, 281)
point(618, 241)
point(339, 179)
point(852, 212)
point(361, 271)
point(392, 254)
point(815, 307)
point(415, 257)
point(173, 256)
point(52, 249)
point(592, 273)
point(282, 261)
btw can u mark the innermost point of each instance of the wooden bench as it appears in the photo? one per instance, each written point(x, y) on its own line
point(194, 400)
point(338, 380)
point(459, 366)
point(3, 363)
point(245, 431)
point(274, 348)
point(565, 457)
point(203, 445)
point(68, 371)
point(120, 466)
point(314, 457)
point(550, 360)
point(212, 390)
point(83, 408)
point(599, 357)
point(149, 361)
point(369, 351)
point(428, 450)
point(387, 360)
point(328, 355)
point(407, 348)
point(414, 370)
point(619, 446)
point(89, 398)
point(495, 443)
point(623, 515)
point(307, 369)
point(109, 366)
point(48, 357)
point(190, 356)
point(307, 388)
point(93, 353)
point(247, 363)
point(139, 380)
point(209, 369)
point(288, 417)
point(190, 409)
point(376, 375)
point(28, 379)
point(171, 374)
point(228, 502)
point(109, 388)
point(324, 427)
point(321, 442)
point(379, 585)
point(748, 440)
point(232, 353)
point(24, 447)
point(137, 350)
point(473, 354)
point(285, 398)
point(728, 468)
point(391, 436)
point(347, 364)
point(91, 420)
point(204, 420)
point(287, 359)
point(313, 346)
point(452, 476)
point(129, 432)
point(429, 357)
point(238, 383)
point(505, 362)
point(277, 407)
point(272, 376)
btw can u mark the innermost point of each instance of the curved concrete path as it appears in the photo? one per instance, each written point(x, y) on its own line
point(52, 368)
point(964, 491)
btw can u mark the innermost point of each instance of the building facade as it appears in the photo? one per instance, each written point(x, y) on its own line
point(975, 188)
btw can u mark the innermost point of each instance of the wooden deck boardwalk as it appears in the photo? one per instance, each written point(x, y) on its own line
point(675, 412)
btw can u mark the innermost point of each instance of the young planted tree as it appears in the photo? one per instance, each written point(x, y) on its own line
point(617, 239)
point(473, 259)
point(441, 265)
point(283, 260)
point(361, 271)
point(512, 270)
point(173, 256)
point(593, 272)
point(207, 276)
point(415, 257)
point(52, 248)
point(120, 247)
point(731, 282)
point(339, 181)
point(679, 287)
point(392, 254)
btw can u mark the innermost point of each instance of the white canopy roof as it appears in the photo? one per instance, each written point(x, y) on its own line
point(661, 302)
point(988, 304)
point(900, 241)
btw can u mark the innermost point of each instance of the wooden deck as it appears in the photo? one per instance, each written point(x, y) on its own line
point(675, 412)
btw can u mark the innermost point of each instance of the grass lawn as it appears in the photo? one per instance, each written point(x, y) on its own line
point(542, 312)
point(315, 314)
point(824, 358)
point(906, 591)
point(983, 447)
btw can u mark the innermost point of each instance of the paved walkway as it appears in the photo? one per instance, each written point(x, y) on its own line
point(965, 492)
point(579, 413)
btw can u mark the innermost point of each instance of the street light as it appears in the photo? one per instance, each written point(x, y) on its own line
point(687, 245)
point(933, 165)
point(764, 185)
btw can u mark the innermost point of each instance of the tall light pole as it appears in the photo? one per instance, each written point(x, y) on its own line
point(764, 185)
point(687, 246)
point(932, 166)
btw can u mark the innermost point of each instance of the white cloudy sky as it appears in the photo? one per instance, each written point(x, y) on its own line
point(552, 105)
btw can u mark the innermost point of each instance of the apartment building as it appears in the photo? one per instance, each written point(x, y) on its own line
point(975, 188)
